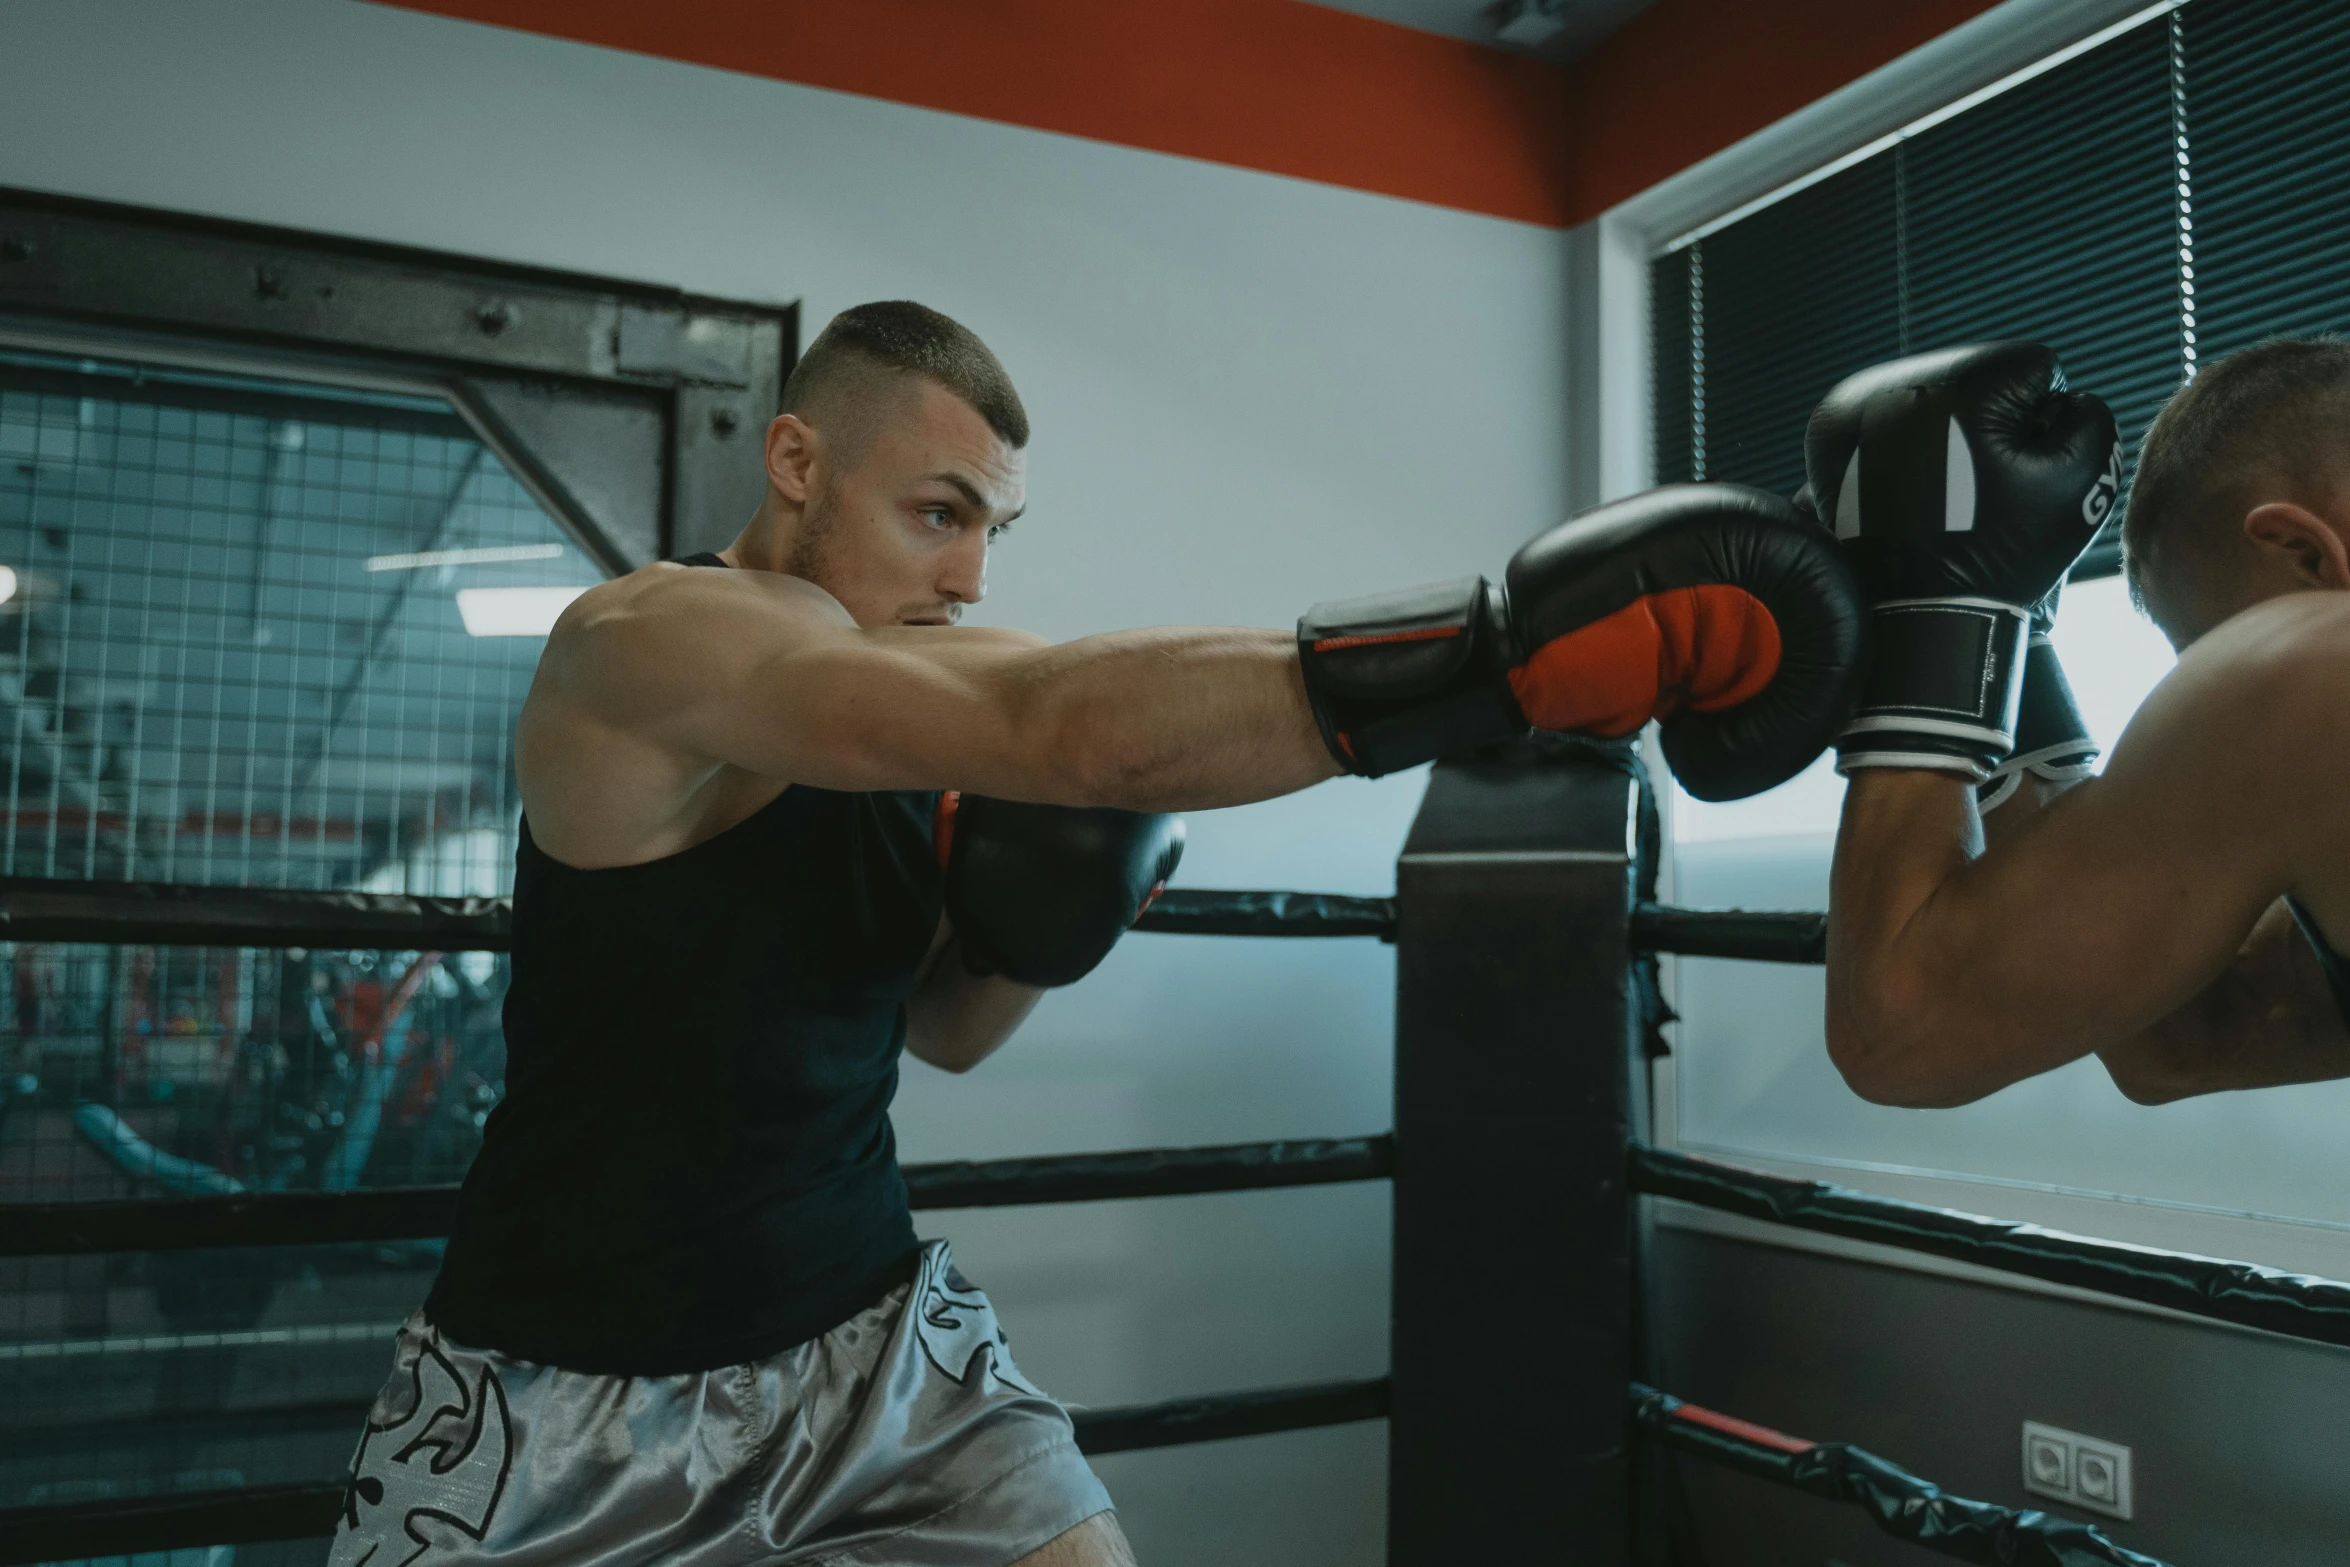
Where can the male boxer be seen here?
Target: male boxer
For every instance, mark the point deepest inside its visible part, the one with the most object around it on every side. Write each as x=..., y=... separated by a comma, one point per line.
x=684, y=1318
x=2172, y=915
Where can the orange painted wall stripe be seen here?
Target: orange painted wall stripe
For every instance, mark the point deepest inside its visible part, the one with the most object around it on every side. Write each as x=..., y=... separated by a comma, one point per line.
x=1274, y=85
x=1687, y=78
x=1298, y=89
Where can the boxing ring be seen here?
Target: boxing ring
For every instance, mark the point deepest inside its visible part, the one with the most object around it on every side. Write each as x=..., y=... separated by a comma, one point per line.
x=1526, y=1010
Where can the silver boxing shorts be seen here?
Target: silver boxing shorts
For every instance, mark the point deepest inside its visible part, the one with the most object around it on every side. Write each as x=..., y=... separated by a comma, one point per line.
x=905, y=1436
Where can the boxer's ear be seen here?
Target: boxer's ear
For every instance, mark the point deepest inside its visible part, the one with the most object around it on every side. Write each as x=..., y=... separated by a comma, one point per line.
x=2298, y=539
x=793, y=447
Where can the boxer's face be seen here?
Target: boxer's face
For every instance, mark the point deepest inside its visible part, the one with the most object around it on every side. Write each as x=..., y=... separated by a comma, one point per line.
x=899, y=532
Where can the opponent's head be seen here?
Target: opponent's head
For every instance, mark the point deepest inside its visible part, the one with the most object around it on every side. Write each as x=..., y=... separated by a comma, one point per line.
x=2243, y=487
x=896, y=460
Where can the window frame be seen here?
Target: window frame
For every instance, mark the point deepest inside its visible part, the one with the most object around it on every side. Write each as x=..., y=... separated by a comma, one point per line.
x=630, y=411
x=1610, y=451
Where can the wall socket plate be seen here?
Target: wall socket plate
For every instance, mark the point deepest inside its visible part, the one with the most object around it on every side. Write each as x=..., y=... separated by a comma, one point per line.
x=2085, y=1471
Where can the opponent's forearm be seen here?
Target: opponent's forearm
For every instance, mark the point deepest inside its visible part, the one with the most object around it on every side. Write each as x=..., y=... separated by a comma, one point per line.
x=2269, y=1019
x=2214, y=1047
x=1904, y=835
x=1169, y=718
x=1919, y=1013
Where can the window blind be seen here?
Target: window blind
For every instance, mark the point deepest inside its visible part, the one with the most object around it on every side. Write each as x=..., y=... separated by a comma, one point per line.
x=1795, y=297
x=2048, y=213
x=2163, y=198
x=2268, y=166
x=1678, y=365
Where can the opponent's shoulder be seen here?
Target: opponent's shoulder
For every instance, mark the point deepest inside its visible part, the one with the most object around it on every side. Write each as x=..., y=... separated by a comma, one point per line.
x=2264, y=696
x=2293, y=650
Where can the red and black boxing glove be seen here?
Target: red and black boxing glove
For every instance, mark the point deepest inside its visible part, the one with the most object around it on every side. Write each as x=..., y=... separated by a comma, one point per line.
x=1721, y=610
x=1040, y=893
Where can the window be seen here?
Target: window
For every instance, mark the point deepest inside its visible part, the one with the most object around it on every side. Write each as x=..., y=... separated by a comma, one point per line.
x=2163, y=197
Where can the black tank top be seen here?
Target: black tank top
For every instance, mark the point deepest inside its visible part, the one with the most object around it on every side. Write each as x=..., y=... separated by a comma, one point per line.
x=2334, y=965
x=693, y=1165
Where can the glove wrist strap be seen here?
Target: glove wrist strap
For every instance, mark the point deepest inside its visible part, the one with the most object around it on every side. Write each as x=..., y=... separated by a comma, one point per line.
x=1943, y=687
x=1397, y=679
x=2052, y=739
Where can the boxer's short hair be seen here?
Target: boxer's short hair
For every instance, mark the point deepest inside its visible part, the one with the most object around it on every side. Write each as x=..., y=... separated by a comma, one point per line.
x=2267, y=423
x=898, y=336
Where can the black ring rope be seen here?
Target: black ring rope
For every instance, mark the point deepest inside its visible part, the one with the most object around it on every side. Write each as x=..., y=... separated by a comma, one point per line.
x=1201, y=911
x=2297, y=1305
x=1730, y=933
x=85, y=1530
x=1897, y=1501
x=1151, y=1172
x=37, y=910
x=57, y=1229
x=166, y=914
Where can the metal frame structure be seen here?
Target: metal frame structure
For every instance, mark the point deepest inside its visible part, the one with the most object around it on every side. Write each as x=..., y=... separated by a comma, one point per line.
x=631, y=412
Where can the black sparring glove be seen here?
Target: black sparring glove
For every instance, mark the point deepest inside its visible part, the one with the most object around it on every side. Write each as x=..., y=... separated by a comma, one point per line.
x=1040, y=893
x=1963, y=484
x=1718, y=609
x=2051, y=738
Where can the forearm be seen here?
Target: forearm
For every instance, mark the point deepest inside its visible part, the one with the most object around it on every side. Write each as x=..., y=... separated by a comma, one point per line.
x=2270, y=1019
x=1170, y=718
x=957, y=1019
x=1905, y=835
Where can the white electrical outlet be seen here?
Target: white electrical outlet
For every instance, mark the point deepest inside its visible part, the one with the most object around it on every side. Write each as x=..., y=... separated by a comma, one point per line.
x=2086, y=1471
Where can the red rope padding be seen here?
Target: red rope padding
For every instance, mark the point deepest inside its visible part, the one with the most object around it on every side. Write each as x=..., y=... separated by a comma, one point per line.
x=1731, y=1425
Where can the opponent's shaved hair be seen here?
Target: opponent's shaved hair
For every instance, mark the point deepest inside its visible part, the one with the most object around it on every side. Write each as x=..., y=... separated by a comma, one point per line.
x=850, y=378
x=2270, y=423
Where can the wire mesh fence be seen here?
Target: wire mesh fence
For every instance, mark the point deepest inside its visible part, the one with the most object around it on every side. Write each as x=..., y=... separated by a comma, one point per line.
x=252, y=633
x=236, y=648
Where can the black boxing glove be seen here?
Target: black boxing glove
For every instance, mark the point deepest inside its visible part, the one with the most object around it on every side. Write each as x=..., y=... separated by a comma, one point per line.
x=2051, y=737
x=1963, y=484
x=1718, y=609
x=1040, y=893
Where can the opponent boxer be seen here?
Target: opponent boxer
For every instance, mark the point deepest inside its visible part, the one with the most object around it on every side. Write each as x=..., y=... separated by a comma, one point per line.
x=2173, y=915
x=683, y=1317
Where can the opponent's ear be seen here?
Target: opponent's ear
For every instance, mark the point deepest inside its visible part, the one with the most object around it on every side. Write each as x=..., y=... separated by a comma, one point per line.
x=2301, y=541
x=792, y=447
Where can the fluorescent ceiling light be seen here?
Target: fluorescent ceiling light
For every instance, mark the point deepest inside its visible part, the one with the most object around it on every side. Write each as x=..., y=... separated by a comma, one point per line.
x=512, y=612
x=7, y=583
x=479, y=557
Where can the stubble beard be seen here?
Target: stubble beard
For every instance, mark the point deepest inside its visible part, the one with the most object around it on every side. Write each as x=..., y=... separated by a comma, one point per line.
x=812, y=556
x=811, y=545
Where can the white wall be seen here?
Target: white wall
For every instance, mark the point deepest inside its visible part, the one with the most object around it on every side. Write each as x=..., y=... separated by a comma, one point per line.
x=1249, y=393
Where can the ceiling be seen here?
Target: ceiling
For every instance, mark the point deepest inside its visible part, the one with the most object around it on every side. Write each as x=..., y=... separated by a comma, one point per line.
x=1585, y=22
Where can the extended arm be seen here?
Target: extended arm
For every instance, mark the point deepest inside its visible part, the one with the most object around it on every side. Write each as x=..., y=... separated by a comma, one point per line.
x=1599, y=630
x=767, y=673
